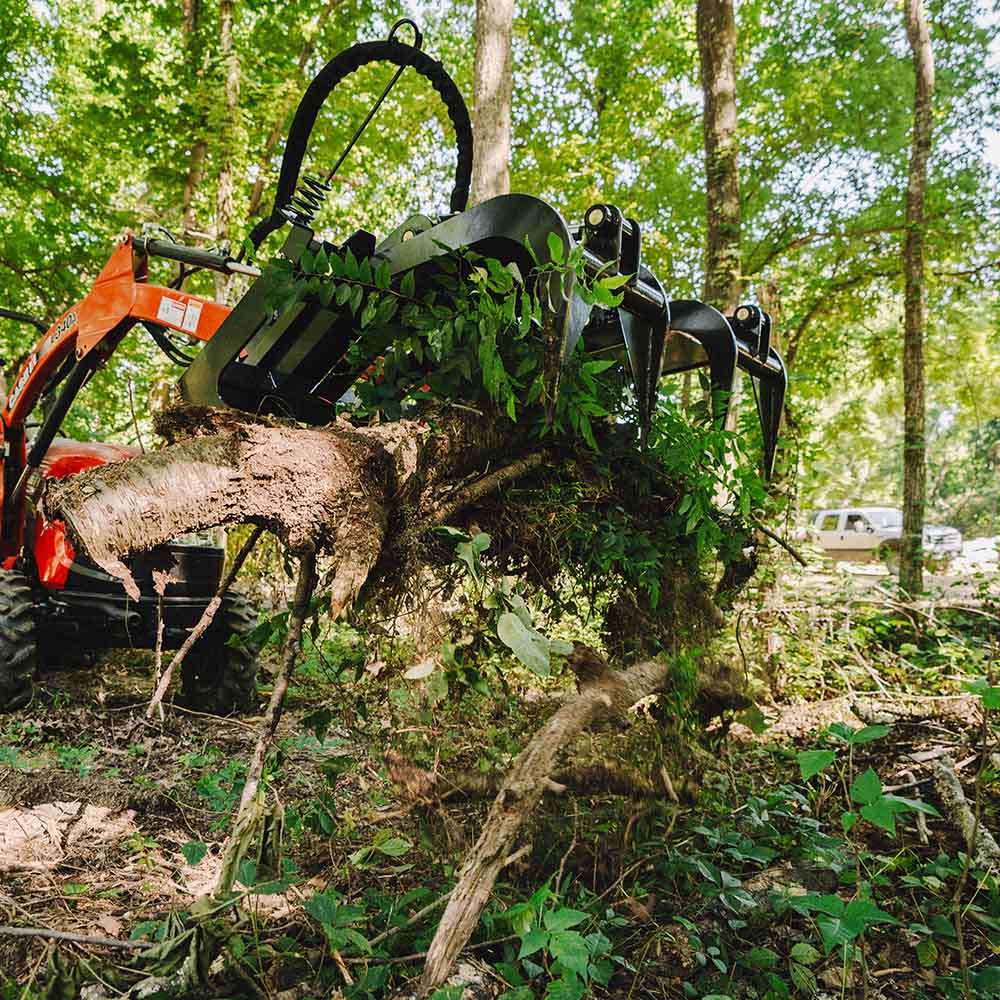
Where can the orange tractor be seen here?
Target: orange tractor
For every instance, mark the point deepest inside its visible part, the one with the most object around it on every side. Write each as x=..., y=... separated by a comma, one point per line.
x=292, y=360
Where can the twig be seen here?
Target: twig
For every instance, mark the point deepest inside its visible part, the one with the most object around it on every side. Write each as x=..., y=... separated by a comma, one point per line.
x=920, y=817
x=777, y=538
x=484, y=486
x=135, y=422
x=203, y=623
x=247, y=815
x=44, y=932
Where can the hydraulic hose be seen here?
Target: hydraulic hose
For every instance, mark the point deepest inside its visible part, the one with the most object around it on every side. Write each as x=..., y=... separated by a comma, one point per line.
x=341, y=66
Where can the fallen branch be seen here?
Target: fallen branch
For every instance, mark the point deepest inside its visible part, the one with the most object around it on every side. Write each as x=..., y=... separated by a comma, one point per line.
x=248, y=814
x=44, y=932
x=611, y=692
x=983, y=849
x=206, y=619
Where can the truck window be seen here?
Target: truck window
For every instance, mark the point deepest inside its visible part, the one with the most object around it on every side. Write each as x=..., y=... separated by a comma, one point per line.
x=857, y=522
x=829, y=522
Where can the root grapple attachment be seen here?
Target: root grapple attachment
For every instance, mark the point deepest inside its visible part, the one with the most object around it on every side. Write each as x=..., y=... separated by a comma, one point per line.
x=292, y=361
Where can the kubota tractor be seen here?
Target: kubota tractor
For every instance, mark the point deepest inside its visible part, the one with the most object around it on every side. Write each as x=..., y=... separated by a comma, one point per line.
x=291, y=360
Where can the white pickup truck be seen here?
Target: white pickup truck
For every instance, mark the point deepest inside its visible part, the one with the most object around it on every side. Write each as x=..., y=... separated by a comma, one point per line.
x=859, y=534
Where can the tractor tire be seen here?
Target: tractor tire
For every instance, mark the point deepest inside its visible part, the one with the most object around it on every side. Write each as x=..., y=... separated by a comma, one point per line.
x=18, y=642
x=218, y=678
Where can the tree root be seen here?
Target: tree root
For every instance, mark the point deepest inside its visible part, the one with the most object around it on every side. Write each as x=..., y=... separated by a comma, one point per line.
x=248, y=816
x=426, y=787
x=611, y=692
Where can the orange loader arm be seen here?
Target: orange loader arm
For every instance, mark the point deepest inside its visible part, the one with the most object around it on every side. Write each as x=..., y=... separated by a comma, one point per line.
x=82, y=340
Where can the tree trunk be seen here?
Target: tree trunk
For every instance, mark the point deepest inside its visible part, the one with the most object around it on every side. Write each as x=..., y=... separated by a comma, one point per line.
x=196, y=165
x=229, y=139
x=911, y=568
x=717, y=50
x=492, y=99
x=716, y=25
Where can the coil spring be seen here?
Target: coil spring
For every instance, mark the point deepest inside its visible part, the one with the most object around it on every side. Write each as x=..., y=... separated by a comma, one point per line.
x=309, y=197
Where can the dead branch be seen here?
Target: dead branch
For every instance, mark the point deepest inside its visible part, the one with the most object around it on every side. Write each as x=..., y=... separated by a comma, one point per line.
x=44, y=932
x=206, y=619
x=247, y=816
x=982, y=846
x=612, y=692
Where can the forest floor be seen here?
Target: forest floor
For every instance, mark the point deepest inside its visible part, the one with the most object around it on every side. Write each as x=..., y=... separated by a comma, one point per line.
x=731, y=871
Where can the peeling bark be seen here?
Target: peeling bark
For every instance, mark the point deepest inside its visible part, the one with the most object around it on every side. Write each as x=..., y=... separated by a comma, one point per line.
x=323, y=487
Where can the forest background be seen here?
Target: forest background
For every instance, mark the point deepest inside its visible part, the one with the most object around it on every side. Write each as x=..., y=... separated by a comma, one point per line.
x=173, y=115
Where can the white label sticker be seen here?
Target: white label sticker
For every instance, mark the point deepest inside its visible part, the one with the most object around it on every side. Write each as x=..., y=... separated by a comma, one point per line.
x=170, y=311
x=191, y=316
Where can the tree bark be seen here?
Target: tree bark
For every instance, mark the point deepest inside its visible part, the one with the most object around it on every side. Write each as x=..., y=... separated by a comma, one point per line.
x=196, y=165
x=492, y=99
x=716, y=25
x=911, y=568
x=229, y=139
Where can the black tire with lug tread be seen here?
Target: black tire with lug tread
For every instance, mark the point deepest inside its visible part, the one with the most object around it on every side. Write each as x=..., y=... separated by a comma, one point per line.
x=219, y=678
x=18, y=641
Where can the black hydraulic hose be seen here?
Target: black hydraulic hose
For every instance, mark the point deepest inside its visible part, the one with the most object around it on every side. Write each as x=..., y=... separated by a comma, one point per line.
x=341, y=66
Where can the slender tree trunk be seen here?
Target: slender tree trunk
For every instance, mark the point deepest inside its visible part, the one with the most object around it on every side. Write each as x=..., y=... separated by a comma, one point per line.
x=717, y=50
x=492, y=99
x=196, y=165
x=911, y=569
x=230, y=134
x=716, y=24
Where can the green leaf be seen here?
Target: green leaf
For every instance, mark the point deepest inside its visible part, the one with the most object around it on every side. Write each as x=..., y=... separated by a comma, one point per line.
x=869, y=733
x=761, y=958
x=805, y=953
x=835, y=931
x=881, y=813
x=847, y=821
x=320, y=262
x=533, y=941
x=322, y=907
x=563, y=919
x=861, y=912
x=803, y=978
x=812, y=762
x=408, y=286
x=193, y=851
x=391, y=847
x=927, y=953
x=531, y=648
x=991, y=697
x=556, y=249
x=753, y=719
x=571, y=951
x=866, y=787
x=383, y=278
